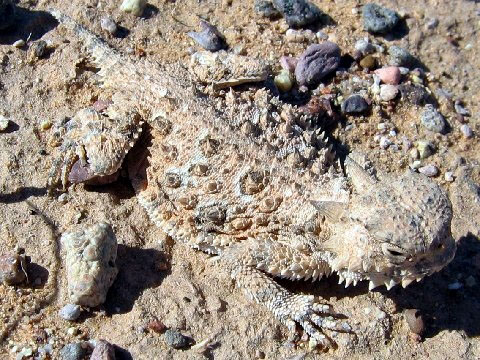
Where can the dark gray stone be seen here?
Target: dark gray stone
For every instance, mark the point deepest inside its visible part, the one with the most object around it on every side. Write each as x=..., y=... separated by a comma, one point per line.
x=74, y=351
x=433, y=120
x=354, y=104
x=400, y=57
x=266, y=9
x=176, y=340
x=415, y=94
x=209, y=38
x=378, y=19
x=40, y=49
x=7, y=14
x=298, y=13
x=316, y=62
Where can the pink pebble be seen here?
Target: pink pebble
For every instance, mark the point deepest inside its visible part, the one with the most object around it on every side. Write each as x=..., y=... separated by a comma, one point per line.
x=389, y=75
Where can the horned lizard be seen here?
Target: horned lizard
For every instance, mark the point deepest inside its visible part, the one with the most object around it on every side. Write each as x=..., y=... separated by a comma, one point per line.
x=247, y=179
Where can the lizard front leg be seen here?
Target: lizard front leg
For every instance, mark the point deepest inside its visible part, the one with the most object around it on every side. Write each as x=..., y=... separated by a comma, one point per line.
x=247, y=263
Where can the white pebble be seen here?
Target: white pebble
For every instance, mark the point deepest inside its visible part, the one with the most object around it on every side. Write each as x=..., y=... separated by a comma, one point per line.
x=449, y=176
x=108, y=25
x=3, y=123
x=385, y=142
x=416, y=164
x=63, y=198
x=392, y=133
x=466, y=131
x=135, y=7
x=70, y=312
x=429, y=170
x=19, y=43
x=388, y=92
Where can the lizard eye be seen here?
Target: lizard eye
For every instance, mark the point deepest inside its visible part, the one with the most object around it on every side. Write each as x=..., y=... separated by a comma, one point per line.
x=393, y=251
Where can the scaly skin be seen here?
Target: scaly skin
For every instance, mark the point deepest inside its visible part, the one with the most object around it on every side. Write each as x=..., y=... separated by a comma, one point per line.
x=247, y=178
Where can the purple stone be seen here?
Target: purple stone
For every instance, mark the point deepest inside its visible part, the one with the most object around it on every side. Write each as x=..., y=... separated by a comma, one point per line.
x=316, y=62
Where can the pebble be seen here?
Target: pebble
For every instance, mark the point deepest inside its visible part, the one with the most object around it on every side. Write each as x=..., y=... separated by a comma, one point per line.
x=455, y=286
x=91, y=269
x=45, y=125
x=266, y=9
x=433, y=120
x=415, y=321
x=288, y=63
x=298, y=36
x=283, y=81
x=429, y=170
x=297, y=13
x=4, y=122
x=70, y=312
x=466, y=131
x=103, y=351
x=378, y=19
x=414, y=94
x=40, y=49
x=416, y=164
x=316, y=62
x=156, y=326
x=425, y=148
x=134, y=7
x=385, y=142
x=368, y=62
x=364, y=46
x=12, y=269
x=354, y=104
x=7, y=14
x=19, y=43
x=389, y=75
x=460, y=109
x=73, y=351
x=400, y=56
x=449, y=176
x=176, y=340
x=107, y=24
x=209, y=37
x=63, y=198
x=388, y=92
x=431, y=23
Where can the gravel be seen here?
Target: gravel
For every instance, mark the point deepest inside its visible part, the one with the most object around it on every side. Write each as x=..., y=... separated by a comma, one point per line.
x=354, y=104
x=400, y=57
x=388, y=92
x=378, y=19
x=12, y=269
x=4, y=122
x=415, y=321
x=433, y=120
x=425, y=148
x=389, y=75
x=209, y=38
x=466, y=131
x=176, y=339
x=134, y=7
x=103, y=351
x=298, y=13
x=7, y=14
x=107, y=24
x=429, y=170
x=40, y=49
x=316, y=62
x=70, y=312
x=364, y=46
x=73, y=351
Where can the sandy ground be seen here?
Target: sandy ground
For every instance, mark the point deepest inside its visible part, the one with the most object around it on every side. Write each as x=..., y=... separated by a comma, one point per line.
x=193, y=295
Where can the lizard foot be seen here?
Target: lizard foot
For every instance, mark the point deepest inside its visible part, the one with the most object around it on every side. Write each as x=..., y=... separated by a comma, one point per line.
x=317, y=320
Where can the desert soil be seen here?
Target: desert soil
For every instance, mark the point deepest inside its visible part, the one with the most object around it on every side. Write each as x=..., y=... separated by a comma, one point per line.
x=193, y=295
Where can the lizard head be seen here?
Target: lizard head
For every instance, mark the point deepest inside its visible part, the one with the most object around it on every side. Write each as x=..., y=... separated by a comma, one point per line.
x=392, y=231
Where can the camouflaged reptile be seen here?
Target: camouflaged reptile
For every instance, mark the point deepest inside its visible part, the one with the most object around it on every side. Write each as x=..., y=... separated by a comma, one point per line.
x=249, y=179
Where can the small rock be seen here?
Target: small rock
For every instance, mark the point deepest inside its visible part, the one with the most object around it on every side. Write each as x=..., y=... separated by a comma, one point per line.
x=40, y=49
x=466, y=131
x=388, y=92
x=460, y=109
x=384, y=142
x=73, y=351
x=215, y=304
x=415, y=94
x=414, y=154
x=364, y=46
x=389, y=75
x=283, y=81
x=176, y=340
x=134, y=7
x=297, y=13
x=354, y=104
x=288, y=63
x=415, y=321
x=7, y=14
x=449, y=176
x=368, y=62
x=103, y=351
x=45, y=125
x=455, y=286
x=299, y=36
x=19, y=43
x=91, y=269
x=431, y=23
x=400, y=56
x=156, y=326
x=425, y=148
x=70, y=312
x=13, y=269
x=107, y=24
x=416, y=164
x=4, y=122
x=266, y=9
x=433, y=120
x=429, y=170
x=63, y=198
x=209, y=38
x=316, y=62
x=72, y=331
x=378, y=19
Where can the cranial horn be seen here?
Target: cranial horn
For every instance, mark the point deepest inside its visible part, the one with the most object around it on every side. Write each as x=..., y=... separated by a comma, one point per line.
x=360, y=178
x=332, y=210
